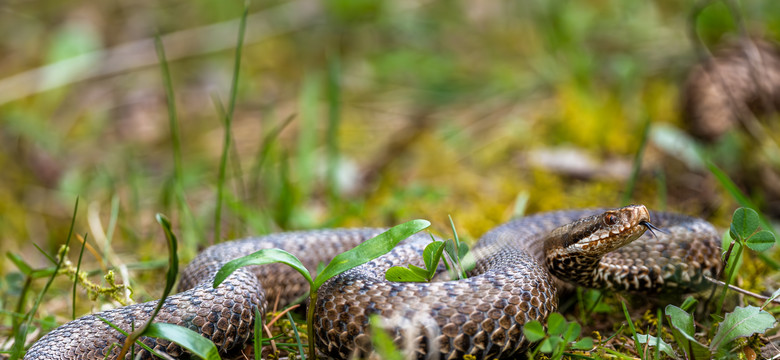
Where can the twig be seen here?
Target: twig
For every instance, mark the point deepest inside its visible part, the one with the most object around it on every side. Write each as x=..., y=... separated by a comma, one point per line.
x=285, y=311
x=272, y=341
x=742, y=291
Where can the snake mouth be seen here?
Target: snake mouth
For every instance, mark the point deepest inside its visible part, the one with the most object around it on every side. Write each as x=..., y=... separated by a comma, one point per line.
x=652, y=228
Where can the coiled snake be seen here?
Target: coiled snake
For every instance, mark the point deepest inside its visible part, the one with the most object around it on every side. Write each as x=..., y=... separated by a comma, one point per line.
x=514, y=281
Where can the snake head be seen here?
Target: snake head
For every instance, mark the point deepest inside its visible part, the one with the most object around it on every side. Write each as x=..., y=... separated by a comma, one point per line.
x=573, y=251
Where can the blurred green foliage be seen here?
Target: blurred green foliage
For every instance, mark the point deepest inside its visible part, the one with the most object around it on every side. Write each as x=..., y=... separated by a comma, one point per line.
x=437, y=108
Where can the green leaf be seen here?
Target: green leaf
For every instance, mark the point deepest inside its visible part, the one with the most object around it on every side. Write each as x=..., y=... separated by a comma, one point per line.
x=402, y=274
x=572, y=332
x=652, y=341
x=585, y=343
x=20, y=263
x=683, y=329
x=463, y=249
x=680, y=319
x=533, y=331
x=761, y=241
x=688, y=304
x=744, y=222
x=432, y=256
x=556, y=324
x=173, y=257
x=262, y=257
x=550, y=344
x=186, y=338
x=369, y=250
x=419, y=271
x=742, y=322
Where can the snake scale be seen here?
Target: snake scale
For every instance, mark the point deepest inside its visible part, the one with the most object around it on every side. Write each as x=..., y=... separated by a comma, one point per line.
x=519, y=266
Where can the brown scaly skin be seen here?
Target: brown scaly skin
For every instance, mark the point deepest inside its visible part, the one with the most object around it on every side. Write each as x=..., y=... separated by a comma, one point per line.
x=482, y=316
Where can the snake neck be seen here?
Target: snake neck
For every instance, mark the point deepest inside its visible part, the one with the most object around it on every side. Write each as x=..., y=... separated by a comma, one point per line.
x=574, y=252
x=580, y=270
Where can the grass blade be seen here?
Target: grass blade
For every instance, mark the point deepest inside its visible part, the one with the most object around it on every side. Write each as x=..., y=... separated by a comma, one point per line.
x=186, y=338
x=228, y=127
x=633, y=330
x=637, y=165
x=737, y=194
x=258, y=334
x=298, y=337
x=334, y=119
x=75, y=280
x=170, y=279
x=369, y=250
x=21, y=333
x=262, y=257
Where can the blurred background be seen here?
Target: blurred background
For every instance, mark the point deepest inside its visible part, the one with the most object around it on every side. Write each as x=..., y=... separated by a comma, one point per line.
x=353, y=113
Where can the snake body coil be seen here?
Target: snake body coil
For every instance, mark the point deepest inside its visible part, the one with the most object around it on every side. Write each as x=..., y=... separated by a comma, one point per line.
x=514, y=281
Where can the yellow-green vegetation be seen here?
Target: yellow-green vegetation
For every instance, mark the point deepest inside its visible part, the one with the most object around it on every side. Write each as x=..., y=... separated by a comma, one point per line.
x=349, y=113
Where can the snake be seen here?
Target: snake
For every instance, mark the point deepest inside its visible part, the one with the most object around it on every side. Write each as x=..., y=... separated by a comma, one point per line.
x=519, y=268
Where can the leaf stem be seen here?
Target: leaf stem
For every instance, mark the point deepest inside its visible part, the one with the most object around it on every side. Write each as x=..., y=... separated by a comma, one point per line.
x=310, y=324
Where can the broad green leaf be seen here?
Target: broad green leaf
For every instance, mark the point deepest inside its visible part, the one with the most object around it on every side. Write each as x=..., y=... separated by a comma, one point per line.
x=436, y=258
x=369, y=250
x=585, y=343
x=419, y=271
x=680, y=319
x=556, y=324
x=572, y=332
x=683, y=329
x=761, y=241
x=186, y=338
x=432, y=256
x=744, y=222
x=652, y=341
x=262, y=257
x=742, y=322
x=534, y=331
x=550, y=344
x=463, y=249
x=402, y=274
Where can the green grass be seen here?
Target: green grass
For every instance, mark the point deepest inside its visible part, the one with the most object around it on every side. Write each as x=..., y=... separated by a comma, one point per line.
x=445, y=98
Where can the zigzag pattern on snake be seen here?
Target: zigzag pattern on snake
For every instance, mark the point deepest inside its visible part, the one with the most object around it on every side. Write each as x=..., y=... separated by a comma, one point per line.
x=519, y=267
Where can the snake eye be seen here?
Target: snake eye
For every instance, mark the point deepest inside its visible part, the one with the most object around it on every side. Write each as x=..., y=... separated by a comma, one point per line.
x=610, y=219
